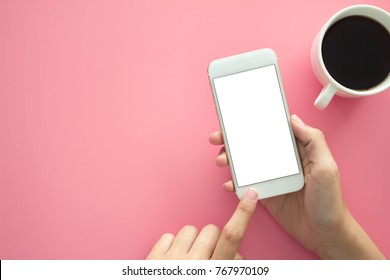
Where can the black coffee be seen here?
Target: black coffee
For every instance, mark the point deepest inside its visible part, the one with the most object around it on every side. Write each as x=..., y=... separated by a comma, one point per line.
x=356, y=52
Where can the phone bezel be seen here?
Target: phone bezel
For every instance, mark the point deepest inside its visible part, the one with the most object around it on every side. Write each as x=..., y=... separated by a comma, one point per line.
x=246, y=62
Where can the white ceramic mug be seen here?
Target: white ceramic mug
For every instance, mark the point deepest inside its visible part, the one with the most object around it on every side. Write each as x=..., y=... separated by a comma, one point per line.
x=331, y=86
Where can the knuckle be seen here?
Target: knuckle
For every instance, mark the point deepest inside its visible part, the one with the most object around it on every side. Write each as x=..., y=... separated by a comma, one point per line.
x=245, y=208
x=232, y=235
x=318, y=134
x=328, y=170
x=334, y=169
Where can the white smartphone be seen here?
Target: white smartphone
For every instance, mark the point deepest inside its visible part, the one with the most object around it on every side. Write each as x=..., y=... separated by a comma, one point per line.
x=255, y=123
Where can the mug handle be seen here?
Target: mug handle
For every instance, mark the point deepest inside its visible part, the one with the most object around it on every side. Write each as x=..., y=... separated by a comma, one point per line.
x=325, y=97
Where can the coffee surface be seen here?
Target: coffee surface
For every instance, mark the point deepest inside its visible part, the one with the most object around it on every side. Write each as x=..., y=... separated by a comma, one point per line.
x=356, y=52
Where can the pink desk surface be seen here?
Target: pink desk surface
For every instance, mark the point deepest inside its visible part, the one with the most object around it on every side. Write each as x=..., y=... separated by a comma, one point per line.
x=105, y=112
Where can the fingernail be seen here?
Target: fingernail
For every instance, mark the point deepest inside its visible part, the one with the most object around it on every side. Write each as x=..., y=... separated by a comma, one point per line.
x=251, y=194
x=298, y=120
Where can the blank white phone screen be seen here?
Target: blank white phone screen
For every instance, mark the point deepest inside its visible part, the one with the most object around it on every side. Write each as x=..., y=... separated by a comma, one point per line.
x=256, y=125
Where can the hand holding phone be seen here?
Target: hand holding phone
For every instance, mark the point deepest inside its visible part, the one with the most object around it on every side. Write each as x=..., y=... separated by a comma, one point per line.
x=254, y=120
x=318, y=217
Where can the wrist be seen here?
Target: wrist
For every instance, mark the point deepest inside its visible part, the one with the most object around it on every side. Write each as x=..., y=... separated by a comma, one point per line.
x=348, y=241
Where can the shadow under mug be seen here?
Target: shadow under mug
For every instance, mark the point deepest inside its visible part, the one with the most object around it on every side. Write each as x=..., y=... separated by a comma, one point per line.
x=331, y=86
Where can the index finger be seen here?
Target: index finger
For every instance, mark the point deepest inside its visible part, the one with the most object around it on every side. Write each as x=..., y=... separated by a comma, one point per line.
x=234, y=231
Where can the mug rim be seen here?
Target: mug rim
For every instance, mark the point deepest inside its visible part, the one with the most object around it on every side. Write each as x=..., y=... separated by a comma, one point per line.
x=336, y=17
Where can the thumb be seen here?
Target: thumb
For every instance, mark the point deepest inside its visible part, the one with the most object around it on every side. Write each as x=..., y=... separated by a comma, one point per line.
x=312, y=140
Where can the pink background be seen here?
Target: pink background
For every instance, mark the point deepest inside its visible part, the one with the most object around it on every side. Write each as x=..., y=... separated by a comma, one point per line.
x=105, y=112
